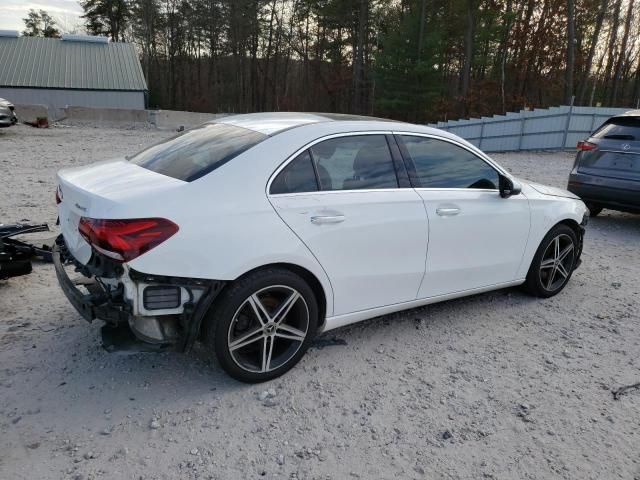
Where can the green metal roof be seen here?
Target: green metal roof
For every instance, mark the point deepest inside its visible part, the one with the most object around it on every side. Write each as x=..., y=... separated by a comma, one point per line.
x=52, y=63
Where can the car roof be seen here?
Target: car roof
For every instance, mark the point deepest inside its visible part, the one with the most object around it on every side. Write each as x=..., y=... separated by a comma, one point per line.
x=630, y=113
x=272, y=123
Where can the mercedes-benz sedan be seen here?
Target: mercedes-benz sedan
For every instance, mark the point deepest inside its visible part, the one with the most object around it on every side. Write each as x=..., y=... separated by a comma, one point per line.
x=255, y=233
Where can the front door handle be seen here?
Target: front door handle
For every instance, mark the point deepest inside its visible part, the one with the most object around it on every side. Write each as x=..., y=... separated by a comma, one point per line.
x=325, y=219
x=447, y=212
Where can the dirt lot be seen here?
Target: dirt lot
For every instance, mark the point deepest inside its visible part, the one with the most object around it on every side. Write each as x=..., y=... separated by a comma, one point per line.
x=498, y=385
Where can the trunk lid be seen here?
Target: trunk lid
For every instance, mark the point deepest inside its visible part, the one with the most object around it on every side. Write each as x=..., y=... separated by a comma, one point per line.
x=104, y=190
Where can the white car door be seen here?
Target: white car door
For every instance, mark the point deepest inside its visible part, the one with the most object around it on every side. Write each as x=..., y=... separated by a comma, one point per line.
x=342, y=197
x=476, y=237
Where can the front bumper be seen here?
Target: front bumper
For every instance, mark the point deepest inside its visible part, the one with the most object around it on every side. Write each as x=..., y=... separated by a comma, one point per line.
x=93, y=298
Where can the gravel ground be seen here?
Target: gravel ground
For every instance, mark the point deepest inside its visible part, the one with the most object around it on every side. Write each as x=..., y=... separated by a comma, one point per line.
x=498, y=385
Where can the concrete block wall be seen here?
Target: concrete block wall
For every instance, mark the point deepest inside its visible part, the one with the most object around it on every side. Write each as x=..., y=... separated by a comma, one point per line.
x=106, y=115
x=30, y=113
x=173, y=119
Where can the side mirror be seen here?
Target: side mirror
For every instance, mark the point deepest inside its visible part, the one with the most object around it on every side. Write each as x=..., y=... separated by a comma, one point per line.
x=509, y=187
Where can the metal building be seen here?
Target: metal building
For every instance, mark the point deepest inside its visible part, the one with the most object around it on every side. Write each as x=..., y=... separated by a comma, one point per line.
x=76, y=70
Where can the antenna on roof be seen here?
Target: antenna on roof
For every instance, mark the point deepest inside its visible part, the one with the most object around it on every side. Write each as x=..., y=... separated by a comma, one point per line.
x=9, y=33
x=84, y=38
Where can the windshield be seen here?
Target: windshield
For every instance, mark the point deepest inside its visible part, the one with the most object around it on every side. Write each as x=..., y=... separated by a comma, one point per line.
x=198, y=151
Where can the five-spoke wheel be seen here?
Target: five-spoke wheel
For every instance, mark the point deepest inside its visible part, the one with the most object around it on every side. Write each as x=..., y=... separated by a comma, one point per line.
x=262, y=324
x=553, y=263
x=557, y=262
x=268, y=328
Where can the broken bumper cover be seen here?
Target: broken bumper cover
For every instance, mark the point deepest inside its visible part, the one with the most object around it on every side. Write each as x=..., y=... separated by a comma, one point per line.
x=113, y=308
x=89, y=305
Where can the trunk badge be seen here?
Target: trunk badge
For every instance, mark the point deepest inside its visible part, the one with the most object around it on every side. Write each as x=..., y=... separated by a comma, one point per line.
x=80, y=207
x=626, y=146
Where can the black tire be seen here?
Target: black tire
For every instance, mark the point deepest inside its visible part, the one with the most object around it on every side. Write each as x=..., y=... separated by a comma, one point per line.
x=547, y=281
x=594, y=209
x=236, y=305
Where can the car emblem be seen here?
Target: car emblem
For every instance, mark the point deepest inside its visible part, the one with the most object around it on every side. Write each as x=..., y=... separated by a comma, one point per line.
x=626, y=146
x=80, y=207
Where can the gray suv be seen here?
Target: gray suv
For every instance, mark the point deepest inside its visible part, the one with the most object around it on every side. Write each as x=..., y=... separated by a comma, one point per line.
x=606, y=173
x=7, y=114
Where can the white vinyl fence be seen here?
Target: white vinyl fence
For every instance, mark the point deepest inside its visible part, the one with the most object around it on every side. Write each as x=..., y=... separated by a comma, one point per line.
x=540, y=129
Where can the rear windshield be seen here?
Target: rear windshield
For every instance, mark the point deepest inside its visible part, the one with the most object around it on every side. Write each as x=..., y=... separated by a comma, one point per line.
x=198, y=151
x=624, y=128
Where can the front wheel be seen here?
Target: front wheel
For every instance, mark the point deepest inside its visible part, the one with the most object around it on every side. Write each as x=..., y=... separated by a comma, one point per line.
x=262, y=325
x=553, y=263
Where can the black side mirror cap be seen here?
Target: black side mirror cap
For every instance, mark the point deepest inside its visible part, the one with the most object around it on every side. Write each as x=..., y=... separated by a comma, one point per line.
x=509, y=187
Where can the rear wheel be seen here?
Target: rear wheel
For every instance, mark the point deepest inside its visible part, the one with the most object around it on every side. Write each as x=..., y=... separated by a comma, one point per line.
x=553, y=263
x=594, y=209
x=262, y=325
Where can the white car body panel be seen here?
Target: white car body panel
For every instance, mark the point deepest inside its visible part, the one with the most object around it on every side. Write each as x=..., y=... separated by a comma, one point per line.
x=392, y=252
x=375, y=256
x=481, y=242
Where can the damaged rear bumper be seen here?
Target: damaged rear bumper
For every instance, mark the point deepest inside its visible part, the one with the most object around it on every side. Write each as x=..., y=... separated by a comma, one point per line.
x=115, y=295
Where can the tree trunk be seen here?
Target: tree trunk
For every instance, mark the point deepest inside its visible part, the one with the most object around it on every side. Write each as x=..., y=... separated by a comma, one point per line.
x=623, y=52
x=469, y=38
x=636, y=90
x=423, y=13
x=571, y=38
x=611, y=47
x=584, y=82
x=359, y=104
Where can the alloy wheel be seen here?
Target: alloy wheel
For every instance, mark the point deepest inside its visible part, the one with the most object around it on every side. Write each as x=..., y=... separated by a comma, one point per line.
x=557, y=262
x=268, y=329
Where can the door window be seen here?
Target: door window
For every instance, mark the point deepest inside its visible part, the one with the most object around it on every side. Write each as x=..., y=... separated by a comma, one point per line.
x=440, y=164
x=297, y=177
x=354, y=163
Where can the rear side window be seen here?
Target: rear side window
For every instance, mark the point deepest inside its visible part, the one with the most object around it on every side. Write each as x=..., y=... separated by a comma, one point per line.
x=198, y=151
x=441, y=164
x=297, y=177
x=622, y=128
x=354, y=163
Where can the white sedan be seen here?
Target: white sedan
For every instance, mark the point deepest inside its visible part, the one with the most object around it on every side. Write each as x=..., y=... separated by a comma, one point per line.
x=255, y=233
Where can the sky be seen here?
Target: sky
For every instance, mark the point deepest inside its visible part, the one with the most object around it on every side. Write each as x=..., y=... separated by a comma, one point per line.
x=65, y=12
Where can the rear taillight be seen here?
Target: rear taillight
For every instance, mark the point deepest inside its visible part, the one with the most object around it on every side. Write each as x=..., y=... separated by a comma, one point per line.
x=586, y=146
x=124, y=240
x=58, y=199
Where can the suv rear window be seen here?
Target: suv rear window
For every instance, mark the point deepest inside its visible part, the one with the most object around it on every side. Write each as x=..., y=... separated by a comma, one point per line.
x=197, y=151
x=622, y=128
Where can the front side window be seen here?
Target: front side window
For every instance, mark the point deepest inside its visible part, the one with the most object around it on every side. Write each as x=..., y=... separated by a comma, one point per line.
x=441, y=164
x=354, y=163
x=197, y=151
x=297, y=177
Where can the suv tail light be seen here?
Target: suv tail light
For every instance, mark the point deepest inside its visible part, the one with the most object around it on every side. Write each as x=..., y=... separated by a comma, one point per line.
x=124, y=240
x=586, y=146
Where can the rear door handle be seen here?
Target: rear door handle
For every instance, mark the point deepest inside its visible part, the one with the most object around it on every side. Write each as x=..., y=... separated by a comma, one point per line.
x=324, y=219
x=447, y=212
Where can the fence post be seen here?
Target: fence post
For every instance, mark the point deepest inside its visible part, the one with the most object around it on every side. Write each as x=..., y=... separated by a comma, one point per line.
x=481, y=132
x=523, y=119
x=567, y=123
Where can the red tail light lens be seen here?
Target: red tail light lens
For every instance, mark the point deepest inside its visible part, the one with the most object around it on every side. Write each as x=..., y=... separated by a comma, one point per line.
x=586, y=146
x=124, y=240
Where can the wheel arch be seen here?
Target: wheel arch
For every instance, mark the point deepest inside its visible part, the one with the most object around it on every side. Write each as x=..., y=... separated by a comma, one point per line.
x=571, y=223
x=307, y=276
